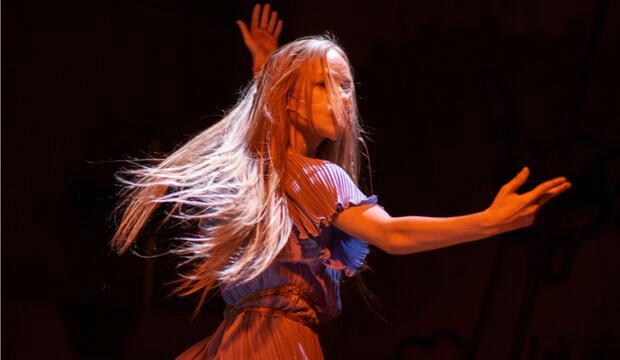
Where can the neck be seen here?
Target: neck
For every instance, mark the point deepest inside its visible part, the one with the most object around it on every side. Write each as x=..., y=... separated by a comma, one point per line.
x=303, y=144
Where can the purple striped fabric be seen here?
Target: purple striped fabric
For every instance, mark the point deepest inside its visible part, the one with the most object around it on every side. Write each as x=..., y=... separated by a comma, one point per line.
x=271, y=327
x=317, y=190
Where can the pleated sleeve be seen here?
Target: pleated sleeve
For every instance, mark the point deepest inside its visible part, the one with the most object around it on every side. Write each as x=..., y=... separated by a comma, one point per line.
x=317, y=190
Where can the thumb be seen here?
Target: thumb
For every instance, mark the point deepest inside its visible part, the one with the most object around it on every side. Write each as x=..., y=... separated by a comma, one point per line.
x=514, y=184
x=247, y=39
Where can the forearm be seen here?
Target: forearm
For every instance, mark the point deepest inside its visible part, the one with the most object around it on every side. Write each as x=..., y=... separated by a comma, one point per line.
x=412, y=234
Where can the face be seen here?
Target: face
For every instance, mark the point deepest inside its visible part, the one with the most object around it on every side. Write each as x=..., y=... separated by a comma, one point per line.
x=322, y=109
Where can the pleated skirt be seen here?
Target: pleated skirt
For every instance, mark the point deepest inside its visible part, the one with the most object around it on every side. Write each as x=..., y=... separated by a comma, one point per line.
x=258, y=335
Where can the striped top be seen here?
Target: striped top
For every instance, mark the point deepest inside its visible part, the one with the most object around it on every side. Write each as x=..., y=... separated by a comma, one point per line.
x=317, y=190
x=317, y=253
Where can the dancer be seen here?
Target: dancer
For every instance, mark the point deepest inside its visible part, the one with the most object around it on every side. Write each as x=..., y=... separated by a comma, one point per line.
x=271, y=190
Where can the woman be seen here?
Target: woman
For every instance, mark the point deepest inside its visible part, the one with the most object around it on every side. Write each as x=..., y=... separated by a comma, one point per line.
x=271, y=189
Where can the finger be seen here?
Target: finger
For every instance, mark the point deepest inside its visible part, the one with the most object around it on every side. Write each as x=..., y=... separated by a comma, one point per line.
x=514, y=184
x=247, y=38
x=272, y=22
x=553, y=193
x=265, y=17
x=541, y=189
x=276, y=33
x=543, y=199
x=255, y=15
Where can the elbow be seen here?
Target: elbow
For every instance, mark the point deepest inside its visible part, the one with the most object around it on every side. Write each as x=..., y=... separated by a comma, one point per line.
x=399, y=241
x=394, y=242
x=391, y=250
x=394, y=248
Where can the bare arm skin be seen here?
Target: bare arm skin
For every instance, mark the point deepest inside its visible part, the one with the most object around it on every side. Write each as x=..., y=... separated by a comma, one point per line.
x=412, y=234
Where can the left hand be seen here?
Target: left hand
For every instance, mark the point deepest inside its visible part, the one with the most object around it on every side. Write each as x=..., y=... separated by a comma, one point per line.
x=510, y=211
x=262, y=37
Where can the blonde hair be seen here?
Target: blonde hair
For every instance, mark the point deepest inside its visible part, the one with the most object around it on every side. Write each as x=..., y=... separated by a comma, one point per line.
x=228, y=180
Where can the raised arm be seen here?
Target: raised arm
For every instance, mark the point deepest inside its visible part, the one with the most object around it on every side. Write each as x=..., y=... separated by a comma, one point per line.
x=262, y=36
x=412, y=234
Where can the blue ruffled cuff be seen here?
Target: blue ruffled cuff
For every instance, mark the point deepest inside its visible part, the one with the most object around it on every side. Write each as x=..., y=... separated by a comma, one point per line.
x=346, y=252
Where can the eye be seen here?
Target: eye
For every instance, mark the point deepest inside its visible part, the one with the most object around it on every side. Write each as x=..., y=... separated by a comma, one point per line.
x=347, y=85
x=320, y=84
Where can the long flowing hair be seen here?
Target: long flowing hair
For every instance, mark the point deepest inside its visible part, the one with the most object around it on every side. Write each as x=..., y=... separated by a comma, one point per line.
x=228, y=180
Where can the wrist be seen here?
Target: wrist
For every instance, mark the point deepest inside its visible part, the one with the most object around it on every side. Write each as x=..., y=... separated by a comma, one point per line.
x=257, y=66
x=488, y=223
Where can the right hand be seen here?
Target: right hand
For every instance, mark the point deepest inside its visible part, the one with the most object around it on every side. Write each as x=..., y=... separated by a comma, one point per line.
x=262, y=37
x=511, y=211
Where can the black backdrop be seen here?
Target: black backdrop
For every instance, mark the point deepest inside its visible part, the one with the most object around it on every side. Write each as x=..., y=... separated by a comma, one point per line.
x=457, y=96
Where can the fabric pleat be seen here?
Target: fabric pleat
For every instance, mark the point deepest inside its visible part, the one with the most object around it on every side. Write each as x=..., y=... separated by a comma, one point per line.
x=273, y=315
x=257, y=336
x=317, y=191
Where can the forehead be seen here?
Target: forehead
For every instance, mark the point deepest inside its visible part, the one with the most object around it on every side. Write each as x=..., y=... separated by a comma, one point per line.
x=336, y=65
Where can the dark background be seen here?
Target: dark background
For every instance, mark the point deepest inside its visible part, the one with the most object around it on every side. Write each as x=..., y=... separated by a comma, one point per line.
x=457, y=96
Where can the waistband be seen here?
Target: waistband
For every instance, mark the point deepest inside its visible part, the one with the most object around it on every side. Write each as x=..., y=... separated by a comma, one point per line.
x=302, y=310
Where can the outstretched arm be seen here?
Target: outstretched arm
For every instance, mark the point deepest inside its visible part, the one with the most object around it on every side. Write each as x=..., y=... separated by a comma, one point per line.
x=412, y=234
x=262, y=36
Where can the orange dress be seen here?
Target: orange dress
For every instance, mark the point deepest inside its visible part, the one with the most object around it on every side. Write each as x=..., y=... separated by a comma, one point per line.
x=274, y=315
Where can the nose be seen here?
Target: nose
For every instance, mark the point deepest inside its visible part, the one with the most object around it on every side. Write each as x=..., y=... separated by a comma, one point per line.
x=345, y=99
x=345, y=96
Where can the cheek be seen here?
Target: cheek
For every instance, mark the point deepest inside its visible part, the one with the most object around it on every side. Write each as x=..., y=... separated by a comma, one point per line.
x=321, y=112
x=320, y=103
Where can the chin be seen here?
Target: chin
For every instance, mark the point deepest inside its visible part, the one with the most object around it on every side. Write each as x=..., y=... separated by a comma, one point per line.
x=331, y=136
x=328, y=133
